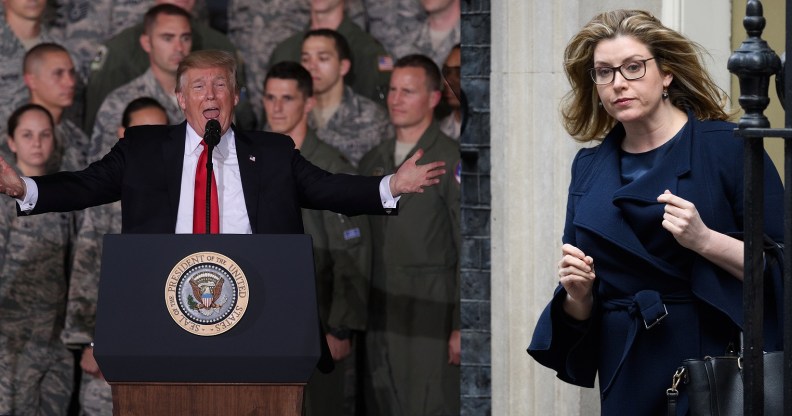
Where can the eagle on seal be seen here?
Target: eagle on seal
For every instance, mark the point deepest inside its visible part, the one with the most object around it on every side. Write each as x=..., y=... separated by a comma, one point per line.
x=208, y=295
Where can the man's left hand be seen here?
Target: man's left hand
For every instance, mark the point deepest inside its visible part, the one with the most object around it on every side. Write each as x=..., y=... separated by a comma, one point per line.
x=412, y=178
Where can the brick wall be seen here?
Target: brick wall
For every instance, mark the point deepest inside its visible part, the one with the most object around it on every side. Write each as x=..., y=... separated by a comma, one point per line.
x=475, y=290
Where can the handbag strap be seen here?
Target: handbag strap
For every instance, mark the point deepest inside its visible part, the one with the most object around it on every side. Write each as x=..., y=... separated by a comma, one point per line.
x=672, y=394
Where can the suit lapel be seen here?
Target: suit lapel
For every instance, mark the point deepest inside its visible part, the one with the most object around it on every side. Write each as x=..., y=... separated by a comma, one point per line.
x=250, y=161
x=173, y=155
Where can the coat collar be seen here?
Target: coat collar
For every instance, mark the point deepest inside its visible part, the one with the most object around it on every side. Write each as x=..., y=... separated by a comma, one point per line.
x=607, y=202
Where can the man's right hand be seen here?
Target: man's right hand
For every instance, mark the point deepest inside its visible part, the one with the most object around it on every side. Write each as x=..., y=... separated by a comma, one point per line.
x=10, y=182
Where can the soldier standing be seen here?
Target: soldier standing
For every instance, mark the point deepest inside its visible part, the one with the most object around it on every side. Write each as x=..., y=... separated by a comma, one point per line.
x=371, y=64
x=35, y=367
x=256, y=27
x=166, y=40
x=51, y=79
x=342, y=245
x=413, y=338
x=123, y=58
x=351, y=123
x=95, y=394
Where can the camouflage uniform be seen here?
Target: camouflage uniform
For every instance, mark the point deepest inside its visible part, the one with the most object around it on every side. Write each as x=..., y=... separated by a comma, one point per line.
x=86, y=24
x=420, y=42
x=256, y=27
x=36, y=369
x=342, y=255
x=123, y=59
x=76, y=145
x=367, y=77
x=414, y=302
x=95, y=394
x=358, y=125
x=392, y=21
x=105, y=131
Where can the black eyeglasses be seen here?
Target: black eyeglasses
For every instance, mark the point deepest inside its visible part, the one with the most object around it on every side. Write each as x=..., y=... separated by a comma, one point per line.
x=602, y=75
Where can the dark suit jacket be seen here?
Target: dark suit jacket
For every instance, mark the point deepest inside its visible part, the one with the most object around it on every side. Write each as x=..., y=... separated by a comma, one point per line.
x=640, y=266
x=144, y=172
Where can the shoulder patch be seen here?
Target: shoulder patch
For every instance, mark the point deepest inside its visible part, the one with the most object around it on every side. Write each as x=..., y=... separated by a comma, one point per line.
x=385, y=63
x=351, y=233
x=99, y=60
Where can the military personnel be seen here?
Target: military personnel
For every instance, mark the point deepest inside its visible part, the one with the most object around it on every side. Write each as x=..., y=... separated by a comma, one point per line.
x=123, y=58
x=95, y=396
x=256, y=27
x=342, y=246
x=413, y=339
x=166, y=40
x=433, y=37
x=51, y=79
x=351, y=123
x=371, y=65
x=36, y=369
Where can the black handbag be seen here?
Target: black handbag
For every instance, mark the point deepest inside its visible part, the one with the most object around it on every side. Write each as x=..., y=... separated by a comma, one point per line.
x=715, y=385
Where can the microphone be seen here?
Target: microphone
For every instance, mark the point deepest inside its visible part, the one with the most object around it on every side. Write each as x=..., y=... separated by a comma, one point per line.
x=212, y=133
x=212, y=138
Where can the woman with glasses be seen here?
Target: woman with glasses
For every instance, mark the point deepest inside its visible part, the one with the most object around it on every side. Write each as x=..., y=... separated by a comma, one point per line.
x=651, y=264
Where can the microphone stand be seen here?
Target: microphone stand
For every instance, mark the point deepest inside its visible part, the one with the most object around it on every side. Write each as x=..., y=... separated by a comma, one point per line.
x=209, y=166
x=211, y=138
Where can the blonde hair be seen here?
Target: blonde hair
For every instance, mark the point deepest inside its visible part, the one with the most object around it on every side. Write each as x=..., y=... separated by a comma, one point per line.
x=208, y=59
x=691, y=89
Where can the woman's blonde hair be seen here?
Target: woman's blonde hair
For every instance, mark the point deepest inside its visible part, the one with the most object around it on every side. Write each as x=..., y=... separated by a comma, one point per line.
x=691, y=89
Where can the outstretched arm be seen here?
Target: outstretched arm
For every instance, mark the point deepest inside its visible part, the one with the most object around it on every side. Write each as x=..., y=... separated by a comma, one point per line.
x=412, y=178
x=10, y=182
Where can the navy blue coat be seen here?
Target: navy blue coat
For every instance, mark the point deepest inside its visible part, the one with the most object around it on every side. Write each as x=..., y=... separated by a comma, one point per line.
x=642, y=271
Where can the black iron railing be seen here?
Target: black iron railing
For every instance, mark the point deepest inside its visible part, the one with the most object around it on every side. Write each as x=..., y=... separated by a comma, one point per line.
x=754, y=63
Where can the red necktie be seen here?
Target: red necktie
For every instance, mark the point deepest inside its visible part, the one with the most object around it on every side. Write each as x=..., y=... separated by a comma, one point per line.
x=199, y=209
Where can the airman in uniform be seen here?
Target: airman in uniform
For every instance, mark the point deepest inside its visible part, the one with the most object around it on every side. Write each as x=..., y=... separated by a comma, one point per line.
x=167, y=41
x=351, y=123
x=36, y=368
x=256, y=27
x=371, y=64
x=413, y=338
x=95, y=395
x=123, y=59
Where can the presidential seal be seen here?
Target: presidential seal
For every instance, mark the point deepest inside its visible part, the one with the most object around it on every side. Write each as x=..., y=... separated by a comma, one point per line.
x=206, y=293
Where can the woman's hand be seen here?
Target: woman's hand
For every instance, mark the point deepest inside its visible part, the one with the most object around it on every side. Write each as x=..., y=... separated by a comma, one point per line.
x=682, y=220
x=576, y=275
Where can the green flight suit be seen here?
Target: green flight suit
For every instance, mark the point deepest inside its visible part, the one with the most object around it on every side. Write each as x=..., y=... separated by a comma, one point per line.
x=371, y=68
x=122, y=59
x=414, y=302
x=342, y=257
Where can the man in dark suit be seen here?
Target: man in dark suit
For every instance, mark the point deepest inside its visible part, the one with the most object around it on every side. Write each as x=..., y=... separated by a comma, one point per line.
x=261, y=180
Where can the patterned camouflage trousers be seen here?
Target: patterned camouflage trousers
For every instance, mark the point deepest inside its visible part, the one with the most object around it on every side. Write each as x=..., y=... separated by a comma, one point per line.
x=96, y=397
x=36, y=381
